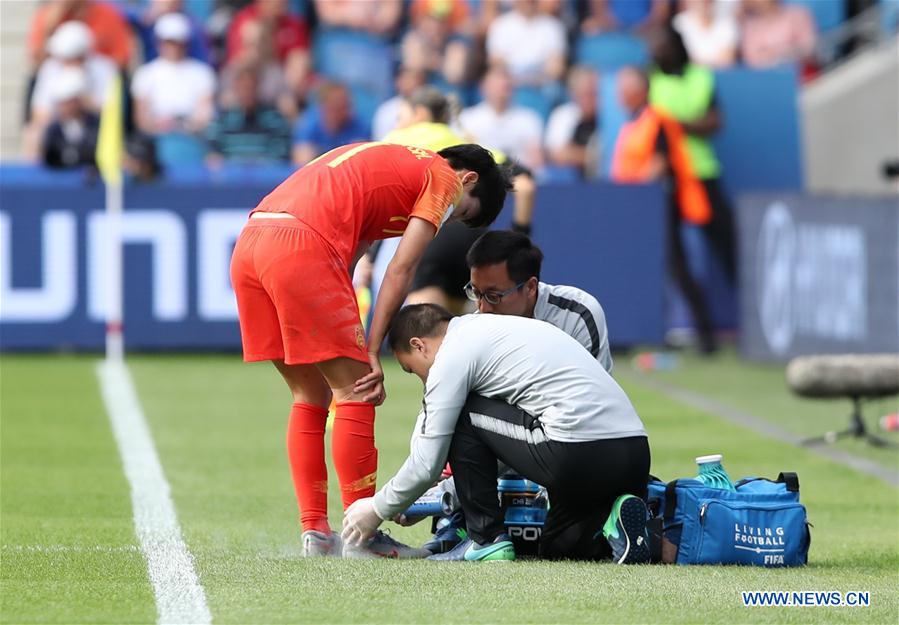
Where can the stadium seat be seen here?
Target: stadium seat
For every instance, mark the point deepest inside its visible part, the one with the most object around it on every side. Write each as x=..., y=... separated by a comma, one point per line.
x=177, y=149
x=365, y=102
x=558, y=174
x=466, y=94
x=539, y=99
x=611, y=51
x=828, y=14
x=358, y=59
x=889, y=16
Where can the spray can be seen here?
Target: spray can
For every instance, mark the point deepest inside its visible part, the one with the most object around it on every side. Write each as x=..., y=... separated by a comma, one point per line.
x=435, y=502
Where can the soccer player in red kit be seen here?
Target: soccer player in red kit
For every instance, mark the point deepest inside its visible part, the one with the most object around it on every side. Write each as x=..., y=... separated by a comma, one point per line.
x=291, y=272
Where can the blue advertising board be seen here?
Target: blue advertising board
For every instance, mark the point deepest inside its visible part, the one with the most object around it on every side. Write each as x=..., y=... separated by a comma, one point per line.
x=818, y=275
x=178, y=239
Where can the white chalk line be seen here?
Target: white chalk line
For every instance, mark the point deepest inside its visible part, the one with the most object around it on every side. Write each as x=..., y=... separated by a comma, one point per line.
x=71, y=549
x=764, y=427
x=179, y=596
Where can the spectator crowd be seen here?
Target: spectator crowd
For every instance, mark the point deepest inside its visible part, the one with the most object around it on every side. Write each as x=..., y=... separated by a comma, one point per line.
x=247, y=81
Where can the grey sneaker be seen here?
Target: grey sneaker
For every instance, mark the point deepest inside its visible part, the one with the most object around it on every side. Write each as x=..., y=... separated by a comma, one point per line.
x=320, y=545
x=383, y=546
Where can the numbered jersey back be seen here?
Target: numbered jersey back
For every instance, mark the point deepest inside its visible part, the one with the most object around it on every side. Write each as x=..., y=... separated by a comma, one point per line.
x=367, y=191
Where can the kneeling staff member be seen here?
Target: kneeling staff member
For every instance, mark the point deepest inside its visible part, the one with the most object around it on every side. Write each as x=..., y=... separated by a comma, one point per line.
x=523, y=392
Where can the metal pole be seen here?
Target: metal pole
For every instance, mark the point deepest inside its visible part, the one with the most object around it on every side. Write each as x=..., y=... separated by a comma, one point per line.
x=115, y=345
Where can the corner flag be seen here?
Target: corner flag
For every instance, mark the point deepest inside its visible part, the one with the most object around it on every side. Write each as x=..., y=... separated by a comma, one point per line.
x=110, y=140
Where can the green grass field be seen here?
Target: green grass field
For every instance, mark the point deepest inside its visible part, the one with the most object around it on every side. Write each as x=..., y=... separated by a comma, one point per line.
x=70, y=554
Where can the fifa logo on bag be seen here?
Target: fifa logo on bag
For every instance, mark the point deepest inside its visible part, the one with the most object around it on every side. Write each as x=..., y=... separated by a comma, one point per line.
x=767, y=540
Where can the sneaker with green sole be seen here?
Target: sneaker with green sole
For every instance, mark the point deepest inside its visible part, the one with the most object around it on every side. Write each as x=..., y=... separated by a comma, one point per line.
x=625, y=529
x=469, y=551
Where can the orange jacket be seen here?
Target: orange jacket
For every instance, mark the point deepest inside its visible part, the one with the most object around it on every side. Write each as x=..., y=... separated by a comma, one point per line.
x=633, y=154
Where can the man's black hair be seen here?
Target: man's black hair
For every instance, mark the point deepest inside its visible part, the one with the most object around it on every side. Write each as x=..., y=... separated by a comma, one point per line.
x=523, y=259
x=668, y=49
x=421, y=320
x=492, y=185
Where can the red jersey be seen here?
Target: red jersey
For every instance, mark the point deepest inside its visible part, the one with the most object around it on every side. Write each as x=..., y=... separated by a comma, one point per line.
x=367, y=191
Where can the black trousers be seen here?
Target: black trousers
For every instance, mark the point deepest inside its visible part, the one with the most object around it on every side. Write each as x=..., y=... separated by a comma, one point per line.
x=583, y=479
x=443, y=263
x=720, y=232
x=686, y=282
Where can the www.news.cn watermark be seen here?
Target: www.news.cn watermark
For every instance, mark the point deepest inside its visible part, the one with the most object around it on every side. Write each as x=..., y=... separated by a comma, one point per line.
x=813, y=598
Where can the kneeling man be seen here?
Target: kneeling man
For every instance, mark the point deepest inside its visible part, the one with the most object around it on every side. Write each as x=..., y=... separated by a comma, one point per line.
x=523, y=392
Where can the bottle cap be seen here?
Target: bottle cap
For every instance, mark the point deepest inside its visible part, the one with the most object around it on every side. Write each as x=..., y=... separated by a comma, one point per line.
x=709, y=459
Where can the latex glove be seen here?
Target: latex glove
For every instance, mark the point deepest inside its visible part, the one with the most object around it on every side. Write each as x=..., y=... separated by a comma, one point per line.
x=360, y=522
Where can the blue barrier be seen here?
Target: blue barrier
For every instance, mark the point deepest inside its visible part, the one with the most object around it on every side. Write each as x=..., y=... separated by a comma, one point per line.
x=606, y=239
x=610, y=241
x=759, y=144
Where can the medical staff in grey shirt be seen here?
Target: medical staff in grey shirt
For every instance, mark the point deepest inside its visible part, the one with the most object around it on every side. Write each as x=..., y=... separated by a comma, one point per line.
x=523, y=392
x=504, y=268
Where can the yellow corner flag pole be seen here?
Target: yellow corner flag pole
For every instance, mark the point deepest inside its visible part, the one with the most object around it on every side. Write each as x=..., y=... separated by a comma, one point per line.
x=110, y=152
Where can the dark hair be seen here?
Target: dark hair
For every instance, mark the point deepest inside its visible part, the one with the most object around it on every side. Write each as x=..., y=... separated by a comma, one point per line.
x=668, y=50
x=141, y=150
x=492, y=185
x=522, y=257
x=416, y=320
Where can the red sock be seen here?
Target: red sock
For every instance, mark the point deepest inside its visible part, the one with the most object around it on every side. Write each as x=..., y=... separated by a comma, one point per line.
x=354, y=452
x=306, y=452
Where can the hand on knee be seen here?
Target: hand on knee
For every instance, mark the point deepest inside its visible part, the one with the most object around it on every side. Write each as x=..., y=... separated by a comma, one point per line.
x=346, y=395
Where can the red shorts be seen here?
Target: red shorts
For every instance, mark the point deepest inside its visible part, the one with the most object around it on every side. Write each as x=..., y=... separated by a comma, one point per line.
x=295, y=298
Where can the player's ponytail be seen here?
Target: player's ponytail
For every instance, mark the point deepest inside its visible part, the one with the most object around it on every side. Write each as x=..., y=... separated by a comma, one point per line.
x=439, y=106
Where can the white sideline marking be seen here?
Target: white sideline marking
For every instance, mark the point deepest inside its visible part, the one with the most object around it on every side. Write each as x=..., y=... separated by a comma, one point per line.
x=764, y=427
x=179, y=595
x=70, y=549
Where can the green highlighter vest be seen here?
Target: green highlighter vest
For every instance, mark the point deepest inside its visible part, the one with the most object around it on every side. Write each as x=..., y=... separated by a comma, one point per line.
x=433, y=136
x=687, y=97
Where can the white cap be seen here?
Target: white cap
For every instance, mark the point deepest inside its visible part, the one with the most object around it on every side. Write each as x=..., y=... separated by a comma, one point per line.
x=709, y=459
x=70, y=41
x=172, y=27
x=69, y=83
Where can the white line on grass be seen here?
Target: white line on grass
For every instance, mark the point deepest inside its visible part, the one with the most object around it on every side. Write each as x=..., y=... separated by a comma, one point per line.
x=179, y=595
x=70, y=549
x=762, y=426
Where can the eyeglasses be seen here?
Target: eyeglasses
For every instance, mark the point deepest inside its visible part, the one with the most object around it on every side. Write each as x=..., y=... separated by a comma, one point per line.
x=491, y=297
